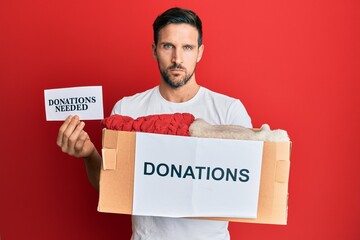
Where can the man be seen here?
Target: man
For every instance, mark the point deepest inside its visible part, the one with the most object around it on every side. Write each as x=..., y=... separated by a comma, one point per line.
x=177, y=48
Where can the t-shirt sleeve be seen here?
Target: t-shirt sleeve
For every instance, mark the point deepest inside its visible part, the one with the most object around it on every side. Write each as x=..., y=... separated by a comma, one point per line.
x=237, y=115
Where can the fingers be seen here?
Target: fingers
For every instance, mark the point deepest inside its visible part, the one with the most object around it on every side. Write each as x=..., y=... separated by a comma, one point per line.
x=62, y=129
x=79, y=145
x=69, y=135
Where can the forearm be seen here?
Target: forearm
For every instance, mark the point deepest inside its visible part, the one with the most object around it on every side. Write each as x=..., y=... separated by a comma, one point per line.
x=93, y=165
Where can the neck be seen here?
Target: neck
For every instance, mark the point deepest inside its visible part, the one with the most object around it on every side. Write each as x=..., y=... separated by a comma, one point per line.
x=180, y=94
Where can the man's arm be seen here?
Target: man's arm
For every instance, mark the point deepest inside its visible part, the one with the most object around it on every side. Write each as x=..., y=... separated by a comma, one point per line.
x=73, y=140
x=93, y=165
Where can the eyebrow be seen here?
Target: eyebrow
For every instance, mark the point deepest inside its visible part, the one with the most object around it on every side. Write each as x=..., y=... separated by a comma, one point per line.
x=163, y=43
x=190, y=45
x=185, y=45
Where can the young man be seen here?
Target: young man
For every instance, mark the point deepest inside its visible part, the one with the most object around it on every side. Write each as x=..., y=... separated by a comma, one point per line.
x=177, y=48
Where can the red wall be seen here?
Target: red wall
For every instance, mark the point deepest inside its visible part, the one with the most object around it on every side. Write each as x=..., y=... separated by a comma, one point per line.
x=294, y=64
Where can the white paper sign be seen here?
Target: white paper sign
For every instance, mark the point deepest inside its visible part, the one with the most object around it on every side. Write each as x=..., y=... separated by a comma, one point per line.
x=86, y=102
x=196, y=177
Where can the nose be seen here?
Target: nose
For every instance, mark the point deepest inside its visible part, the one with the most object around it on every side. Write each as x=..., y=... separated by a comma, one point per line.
x=177, y=56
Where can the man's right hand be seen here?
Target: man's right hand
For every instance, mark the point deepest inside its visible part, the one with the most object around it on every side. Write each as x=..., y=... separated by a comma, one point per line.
x=73, y=140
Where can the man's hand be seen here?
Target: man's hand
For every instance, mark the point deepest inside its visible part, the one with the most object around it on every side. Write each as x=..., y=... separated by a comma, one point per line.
x=73, y=140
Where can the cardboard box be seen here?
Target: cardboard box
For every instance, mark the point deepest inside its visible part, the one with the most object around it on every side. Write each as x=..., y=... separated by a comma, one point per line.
x=117, y=178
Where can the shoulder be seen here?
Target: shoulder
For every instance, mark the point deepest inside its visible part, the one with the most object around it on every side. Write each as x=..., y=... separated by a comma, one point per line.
x=134, y=100
x=224, y=100
x=232, y=108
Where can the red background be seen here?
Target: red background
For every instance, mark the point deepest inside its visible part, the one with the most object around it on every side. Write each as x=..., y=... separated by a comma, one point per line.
x=294, y=64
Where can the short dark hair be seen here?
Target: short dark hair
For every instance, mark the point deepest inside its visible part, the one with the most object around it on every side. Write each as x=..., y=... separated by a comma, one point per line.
x=177, y=15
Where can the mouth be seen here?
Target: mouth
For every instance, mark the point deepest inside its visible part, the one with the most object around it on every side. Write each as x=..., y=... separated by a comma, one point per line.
x=176, y=70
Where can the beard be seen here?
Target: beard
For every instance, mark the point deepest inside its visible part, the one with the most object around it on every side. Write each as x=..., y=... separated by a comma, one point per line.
x=175, y=84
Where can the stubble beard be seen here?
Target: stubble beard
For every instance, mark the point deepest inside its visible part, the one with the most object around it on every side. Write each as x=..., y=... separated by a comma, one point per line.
x=167, y=78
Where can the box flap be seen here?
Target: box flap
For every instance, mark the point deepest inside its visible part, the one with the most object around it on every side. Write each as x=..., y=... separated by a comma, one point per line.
x=109, y=150
x=108, y=159
x=116, y=186
x=282, y=170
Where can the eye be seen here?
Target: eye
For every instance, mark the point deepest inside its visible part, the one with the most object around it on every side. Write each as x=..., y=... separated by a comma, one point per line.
x=188, y=47
x=167, y=46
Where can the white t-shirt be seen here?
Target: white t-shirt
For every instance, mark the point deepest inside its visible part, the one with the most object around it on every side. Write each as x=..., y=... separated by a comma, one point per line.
x=213, y=107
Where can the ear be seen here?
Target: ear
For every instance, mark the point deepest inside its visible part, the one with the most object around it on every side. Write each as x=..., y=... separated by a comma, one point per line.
x=153, y=46
x=200, y=53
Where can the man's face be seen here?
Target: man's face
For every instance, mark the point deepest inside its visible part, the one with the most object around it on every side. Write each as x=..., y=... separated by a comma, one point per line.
x=177, y=53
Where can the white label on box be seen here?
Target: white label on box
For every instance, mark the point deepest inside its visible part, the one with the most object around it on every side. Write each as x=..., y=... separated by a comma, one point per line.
x=196, y=177
x=86, y=102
